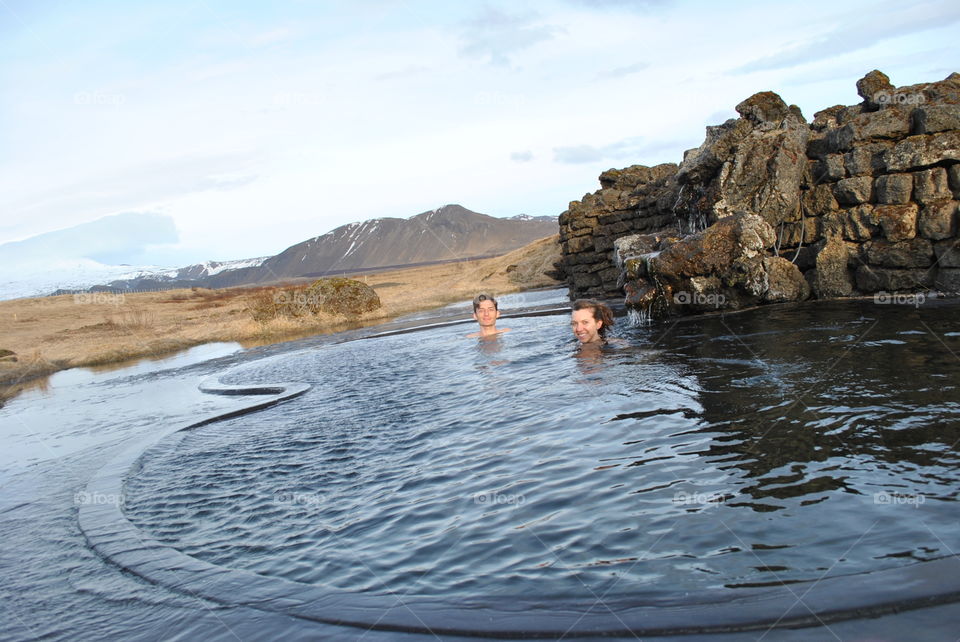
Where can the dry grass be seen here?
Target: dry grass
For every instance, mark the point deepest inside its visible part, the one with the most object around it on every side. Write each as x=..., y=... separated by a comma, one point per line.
x=47, y=334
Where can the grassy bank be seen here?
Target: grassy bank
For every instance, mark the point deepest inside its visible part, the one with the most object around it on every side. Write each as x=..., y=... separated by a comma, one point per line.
x=39, y=336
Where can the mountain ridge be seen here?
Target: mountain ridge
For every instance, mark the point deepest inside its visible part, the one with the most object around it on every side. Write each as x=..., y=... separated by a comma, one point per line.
x=450, y=232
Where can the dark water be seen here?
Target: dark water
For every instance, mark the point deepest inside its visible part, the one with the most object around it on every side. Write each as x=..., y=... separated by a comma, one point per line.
x=753, y=449
x=770, y=446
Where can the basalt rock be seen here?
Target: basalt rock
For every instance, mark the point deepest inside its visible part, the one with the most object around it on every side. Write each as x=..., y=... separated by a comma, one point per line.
x=863, y=199
x=723, y=267
x=755, y=163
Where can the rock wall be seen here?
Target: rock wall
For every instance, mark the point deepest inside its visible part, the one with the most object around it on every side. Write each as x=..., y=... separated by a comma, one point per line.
x=864, y=199
x=627, y=203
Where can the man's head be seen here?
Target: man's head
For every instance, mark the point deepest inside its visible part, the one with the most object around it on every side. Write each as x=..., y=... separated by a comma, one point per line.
x=485, y=310
x=480, y=298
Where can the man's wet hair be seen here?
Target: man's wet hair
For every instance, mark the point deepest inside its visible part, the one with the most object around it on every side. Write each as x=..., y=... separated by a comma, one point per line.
x=483, y=297
x=601, y=312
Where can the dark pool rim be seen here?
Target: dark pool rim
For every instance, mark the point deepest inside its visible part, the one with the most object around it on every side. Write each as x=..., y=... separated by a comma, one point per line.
x=802, y=604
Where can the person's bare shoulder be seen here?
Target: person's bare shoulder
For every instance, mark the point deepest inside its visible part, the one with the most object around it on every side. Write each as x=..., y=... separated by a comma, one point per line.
x=480, y=335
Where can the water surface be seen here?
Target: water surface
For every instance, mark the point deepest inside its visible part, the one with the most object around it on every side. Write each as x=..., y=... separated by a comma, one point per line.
x=774, y=445
x=740, y=451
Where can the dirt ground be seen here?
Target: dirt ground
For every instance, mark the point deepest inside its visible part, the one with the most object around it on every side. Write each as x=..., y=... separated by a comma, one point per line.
x=39, y=336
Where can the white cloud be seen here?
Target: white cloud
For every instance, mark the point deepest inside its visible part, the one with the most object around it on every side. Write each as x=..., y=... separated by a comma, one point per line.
x=629, y=150
x=255, y=127
x=620, y=72
x=861, y=30
x=496, y=34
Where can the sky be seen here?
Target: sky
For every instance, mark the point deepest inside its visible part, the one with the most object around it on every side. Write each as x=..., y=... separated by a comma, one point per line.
x=241, y=128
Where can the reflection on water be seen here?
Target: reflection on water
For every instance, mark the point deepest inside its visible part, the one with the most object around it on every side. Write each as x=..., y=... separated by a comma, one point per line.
x=94, y=374
x=732, y=451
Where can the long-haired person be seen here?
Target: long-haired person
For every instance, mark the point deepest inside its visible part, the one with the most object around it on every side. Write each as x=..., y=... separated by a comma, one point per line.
x=590, y=321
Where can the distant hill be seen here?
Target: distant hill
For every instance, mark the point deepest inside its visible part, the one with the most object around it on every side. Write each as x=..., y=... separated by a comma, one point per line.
x=447, y=233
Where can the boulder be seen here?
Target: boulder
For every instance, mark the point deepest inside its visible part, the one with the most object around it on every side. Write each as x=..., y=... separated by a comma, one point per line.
x=912, y=253
x=860, y=223
x=947, y=253
x=631, y=253
x=954, y=179
x=948, y=280
x=930, y=119
x=755, y=163
x=853, y=191
x=893, y=189
x=713, y=251
x=874, y=279
x=867, y=159
x=819, y=201
x=786, y=282
x=832, y=277
x=342, y=296
x=938, y=220
x=725, y=266
x=923, y=151
x=873, y=87
x=829, y=169
x=886, y=124
x=931, y=185
x=764, y=109
x=899, y=222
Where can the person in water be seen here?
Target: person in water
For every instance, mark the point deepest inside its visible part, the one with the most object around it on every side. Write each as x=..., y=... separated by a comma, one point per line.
x=486, y=312
x=590, y=321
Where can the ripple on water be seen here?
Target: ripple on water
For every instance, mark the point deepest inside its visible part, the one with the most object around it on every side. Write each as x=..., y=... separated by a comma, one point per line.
x=740, y=451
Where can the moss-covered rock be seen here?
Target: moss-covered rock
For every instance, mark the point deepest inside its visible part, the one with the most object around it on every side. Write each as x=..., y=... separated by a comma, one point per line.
x=337, y=295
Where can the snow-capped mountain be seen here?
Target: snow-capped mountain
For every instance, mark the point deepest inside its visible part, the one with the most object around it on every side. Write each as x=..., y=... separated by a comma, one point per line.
x=446, y=233
x=40, y=279
x=211, y=268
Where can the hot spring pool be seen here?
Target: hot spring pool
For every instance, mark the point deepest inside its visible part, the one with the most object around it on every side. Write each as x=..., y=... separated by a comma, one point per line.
x=716, y=457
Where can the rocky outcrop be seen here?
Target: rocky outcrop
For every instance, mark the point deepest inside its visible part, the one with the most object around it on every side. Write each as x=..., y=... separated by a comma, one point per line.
x=724, y=266
x=770, y=208
x=627, y=203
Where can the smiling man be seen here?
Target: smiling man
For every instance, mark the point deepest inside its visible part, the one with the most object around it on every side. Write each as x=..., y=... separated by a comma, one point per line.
x=486, y=313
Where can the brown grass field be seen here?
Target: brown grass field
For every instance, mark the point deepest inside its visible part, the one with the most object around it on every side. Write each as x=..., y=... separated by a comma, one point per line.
x=39, y=336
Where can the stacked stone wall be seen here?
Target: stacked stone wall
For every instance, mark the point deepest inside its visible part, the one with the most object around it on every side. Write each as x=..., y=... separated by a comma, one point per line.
x=863, y=199
x=626, y=204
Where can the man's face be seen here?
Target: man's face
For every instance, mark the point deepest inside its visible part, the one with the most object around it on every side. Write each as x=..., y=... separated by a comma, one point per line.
x=486, y=314
x=585, y=327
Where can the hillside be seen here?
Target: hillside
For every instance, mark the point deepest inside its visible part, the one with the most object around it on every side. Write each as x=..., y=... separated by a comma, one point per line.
x=45, y=334
x=446, y=233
